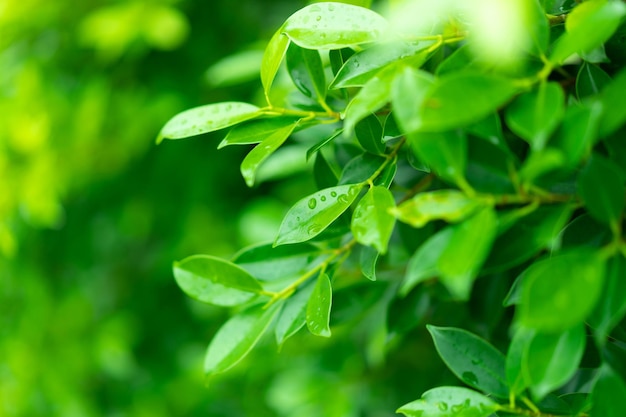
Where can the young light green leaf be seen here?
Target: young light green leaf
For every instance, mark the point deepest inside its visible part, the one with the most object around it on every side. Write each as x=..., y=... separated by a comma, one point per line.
x=588, y=26
x=332, y=25
x=234, y=340
x=423, y=264
x=408, y=93
x=259, y=153
x=369, y=133
x=311, y=215
x=612, y=308
x=558, y=293
x=535, y=115
x=591, y=79
x=255, y=131
x=449, y=205
x=272, y=57
x=550, y=360
x=319, y=145
x=208, y=118
x=464, y=256
x=463, y=98
x=306, y=71
x=367, y=261
x=374, y=95
x=364, y=65
x=318, y=307
x=609, y=394
x=472, y=359
x=450, y=402
x=372, y=223
x=444, y=152
x=292, y=317
x=601, y=187
x=215, y=281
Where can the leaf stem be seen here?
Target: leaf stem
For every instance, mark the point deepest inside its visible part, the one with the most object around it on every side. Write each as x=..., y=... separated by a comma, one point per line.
x=281, y=111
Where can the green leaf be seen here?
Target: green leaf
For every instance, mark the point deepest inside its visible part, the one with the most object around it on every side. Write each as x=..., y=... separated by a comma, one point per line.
x=306, y=71
x=515, y=359
x=334, y=26
x=613, y=110
x=374, y=95
x=609, y=394
x=444, y=152
x=372, y=223
x=215, y=281
x=588, y=26
x=450, y=402
x=591, y=79
x=367, y=261
x=337, y=58
x=528, y=236
x=274, y=263
x=423, y=264
x=472, y=359
x=319, y=145
x=464, y=256
x=538, y=25
x=273, y=56
x=235, y=69
x=369, y=133
x=361, y=168
x=611, y=308
x=364, y=65
x=324, y=175
x=449, y=205
x=292, y=317
x=550, y=360
x=255, y=131
x=490, y=129
x=601, y=187
x=207, y=118
x=463, y=98
x=318, y=307
x=559, y=292
x=535, y=115
x=578, y=132
x=259, y=153
x=408, y=93
x=234, y=340
x=311, y=215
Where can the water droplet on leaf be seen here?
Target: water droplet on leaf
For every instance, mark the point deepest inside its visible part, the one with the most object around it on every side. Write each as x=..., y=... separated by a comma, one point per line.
x=312, y=203
x=323, y=198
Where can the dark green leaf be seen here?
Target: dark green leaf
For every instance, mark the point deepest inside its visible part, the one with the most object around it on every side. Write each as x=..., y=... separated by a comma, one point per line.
x=464, y=256
x=292, y=317
x=444, y=152
x=256, y=156
x=369, y=133
x=601, y=187
x=609, y=394
x=315, y=148
x=372, y=222
x=311, y=215
x=559, y=292
x=361, y=168
x=423, y=264
x=215, y=281
x=334, y=26
x=324, y=175
x=490, y=129
x=367, y=261
x=268, y=263
x=208, y=118
x=234, y=340
x=471, y=359
x=535, y=115
x=612, y=98
x=337, y=58
x=515, y=359
x=611, y=308
x=255, y=131
x=449, y=205
x=306, y=71
x=578, y=132
x=450, y=402
x=591, y=79
x=550, y=360
x=318, y=307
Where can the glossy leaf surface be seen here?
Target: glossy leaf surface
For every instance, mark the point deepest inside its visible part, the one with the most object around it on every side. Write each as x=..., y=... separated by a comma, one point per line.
x=449, y=205
x=423, y=264
x=372, y=222
x=444, y=152
x=318, y=307
x=306, y=71
x=215, y=281
x=408, y=93
x=272, y=57
x=292, y=317
x=472, y=359
x=255, y=131
x=311, y=215
x=369, y=133
x=332, y=25
x=208, y=118
x=265, y=262
x=450, y=402
x=237, y=337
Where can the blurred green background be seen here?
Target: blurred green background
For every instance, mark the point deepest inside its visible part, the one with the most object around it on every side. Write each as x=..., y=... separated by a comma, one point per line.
x=92, y=214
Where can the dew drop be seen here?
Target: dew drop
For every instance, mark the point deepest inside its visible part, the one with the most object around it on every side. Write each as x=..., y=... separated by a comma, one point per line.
x=312, y=203
x=323, y=198
x=443, y=406
x=343, y=199
x=229, y=107
x=456, y=409
x=470, y=378
x=331, y=7
x=313, y=229
x=476, y=362
x=333, y=194
x=315, y=9
x=318, y=18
